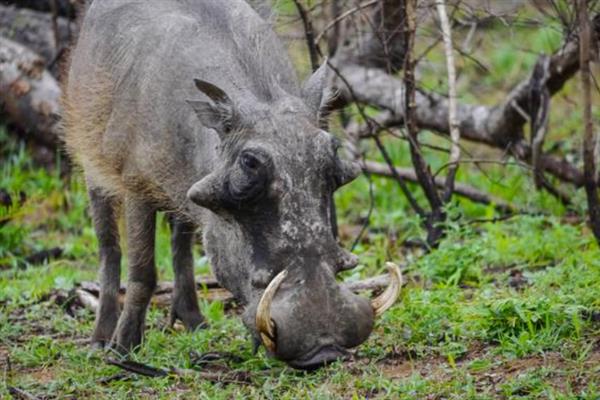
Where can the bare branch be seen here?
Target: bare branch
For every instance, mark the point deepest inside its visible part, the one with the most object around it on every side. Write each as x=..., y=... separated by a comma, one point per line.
x=434, y=231
x=309, y=34
x=383, y=44
x=338, y=18
x=589, y=139
x=21, y=394
x=401, y=181
x=500, y=126
x=372, y=126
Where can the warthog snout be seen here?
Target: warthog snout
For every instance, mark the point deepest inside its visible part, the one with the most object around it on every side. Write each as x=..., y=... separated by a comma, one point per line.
x=312, y=322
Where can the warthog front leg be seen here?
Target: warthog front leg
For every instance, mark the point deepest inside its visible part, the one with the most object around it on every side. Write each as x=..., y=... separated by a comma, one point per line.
x=185, y=300
x=104, y=215
x=140, y=218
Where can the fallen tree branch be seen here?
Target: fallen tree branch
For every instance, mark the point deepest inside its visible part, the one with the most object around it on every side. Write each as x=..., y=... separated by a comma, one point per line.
x=477, y=123
x=37, y=258
x=556, y=166
x=44, y=256
x=87, y=299
x=29, y=95
x=39, y=32
x=208, y=289
x=202, y=282
x=20, y=394
x=501, y=126
x=460, y=189
x=374, y=283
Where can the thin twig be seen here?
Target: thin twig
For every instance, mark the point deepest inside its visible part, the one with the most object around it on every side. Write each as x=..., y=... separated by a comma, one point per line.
x=494, y=220
x=20, y=394
x=333, y=39
x=369, y=213
x=452, y=106
x=411, y=199
x=434, y=230
x=561, y=196
x=310, y=36
x=343, y=16
x=351, y=148
x=461, y=189
x=478, y=161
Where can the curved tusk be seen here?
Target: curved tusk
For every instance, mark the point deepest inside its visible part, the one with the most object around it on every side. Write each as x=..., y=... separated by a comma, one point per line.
x=385, y=300
x=264, y=324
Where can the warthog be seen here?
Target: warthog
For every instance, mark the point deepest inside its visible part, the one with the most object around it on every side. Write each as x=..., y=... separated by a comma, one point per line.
x=191, y=107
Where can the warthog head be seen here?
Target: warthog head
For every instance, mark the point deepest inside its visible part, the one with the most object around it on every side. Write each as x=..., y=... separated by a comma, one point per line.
x=269, y=233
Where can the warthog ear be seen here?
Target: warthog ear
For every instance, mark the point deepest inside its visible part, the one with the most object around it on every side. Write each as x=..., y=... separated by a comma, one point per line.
x=315, y=90
x=218, y=114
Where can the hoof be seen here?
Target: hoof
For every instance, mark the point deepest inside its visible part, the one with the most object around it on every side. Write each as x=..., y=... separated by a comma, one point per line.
x=192, y=319
x=97, y=345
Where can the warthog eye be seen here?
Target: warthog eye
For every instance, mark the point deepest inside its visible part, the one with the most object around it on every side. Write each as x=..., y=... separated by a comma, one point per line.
x=248, y=181
x=249, y=161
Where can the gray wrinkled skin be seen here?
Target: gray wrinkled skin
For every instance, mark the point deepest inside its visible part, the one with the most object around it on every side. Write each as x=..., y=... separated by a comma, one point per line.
x=238, y=153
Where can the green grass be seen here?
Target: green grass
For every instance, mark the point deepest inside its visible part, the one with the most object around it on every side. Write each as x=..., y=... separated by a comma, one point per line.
x=462, y=328
x=509, y=309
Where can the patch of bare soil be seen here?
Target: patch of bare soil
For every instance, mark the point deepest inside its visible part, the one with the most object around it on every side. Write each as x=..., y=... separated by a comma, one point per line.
x=563, y=373
x=4, y=358
x=41, y=376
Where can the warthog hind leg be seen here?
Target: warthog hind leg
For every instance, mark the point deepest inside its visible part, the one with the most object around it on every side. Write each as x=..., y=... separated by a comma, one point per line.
x=104, y=215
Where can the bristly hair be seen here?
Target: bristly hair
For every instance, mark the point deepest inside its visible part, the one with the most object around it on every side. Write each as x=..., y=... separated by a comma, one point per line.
x=81, y=7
